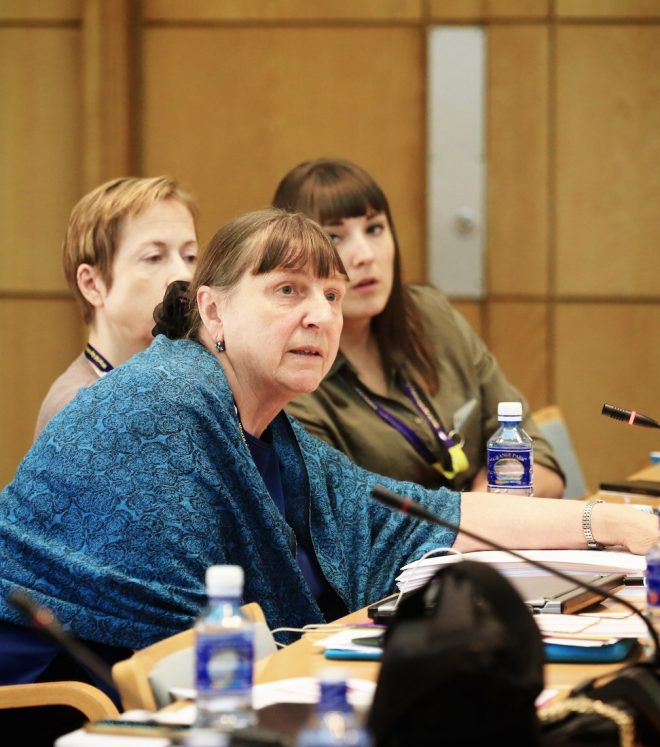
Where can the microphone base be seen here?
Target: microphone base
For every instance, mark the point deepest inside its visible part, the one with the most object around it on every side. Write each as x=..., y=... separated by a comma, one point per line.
x=636, y=687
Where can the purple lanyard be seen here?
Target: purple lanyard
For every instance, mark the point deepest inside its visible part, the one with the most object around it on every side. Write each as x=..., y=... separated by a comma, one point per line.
x=408, y=433
x=97, y=360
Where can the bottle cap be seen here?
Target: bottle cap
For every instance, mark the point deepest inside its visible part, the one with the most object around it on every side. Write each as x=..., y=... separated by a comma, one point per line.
x=509, y=411
x=205, y=738
x=332, y=674
x=224, y=580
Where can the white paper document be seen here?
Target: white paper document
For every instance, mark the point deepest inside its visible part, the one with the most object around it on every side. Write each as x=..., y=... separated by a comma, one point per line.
x=418, y=573
x=589, y=629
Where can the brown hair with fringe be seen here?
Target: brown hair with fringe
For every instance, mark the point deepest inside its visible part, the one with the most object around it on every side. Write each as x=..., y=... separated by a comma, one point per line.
x=258, y=242
x=329, y=190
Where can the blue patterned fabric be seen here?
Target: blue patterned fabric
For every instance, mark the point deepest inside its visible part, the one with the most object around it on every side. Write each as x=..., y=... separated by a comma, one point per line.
x=143, y=481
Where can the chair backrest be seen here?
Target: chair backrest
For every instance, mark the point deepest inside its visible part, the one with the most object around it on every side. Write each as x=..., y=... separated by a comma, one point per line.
x=552, y=425
x=93, y=703
x=145, y=679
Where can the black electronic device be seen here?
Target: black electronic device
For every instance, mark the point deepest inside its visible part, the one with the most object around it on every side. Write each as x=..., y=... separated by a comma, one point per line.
x=249, y=736
x=636, y=487
x=544, y=593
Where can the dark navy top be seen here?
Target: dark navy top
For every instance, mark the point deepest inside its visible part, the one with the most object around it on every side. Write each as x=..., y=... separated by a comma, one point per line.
x=265, y=457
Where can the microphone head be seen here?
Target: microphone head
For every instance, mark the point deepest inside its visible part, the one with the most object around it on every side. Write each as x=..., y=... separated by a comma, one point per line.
x=632, y=417
x=616, y=412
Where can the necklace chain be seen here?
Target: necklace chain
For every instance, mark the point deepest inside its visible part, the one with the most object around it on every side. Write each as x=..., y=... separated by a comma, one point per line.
x=240, y=426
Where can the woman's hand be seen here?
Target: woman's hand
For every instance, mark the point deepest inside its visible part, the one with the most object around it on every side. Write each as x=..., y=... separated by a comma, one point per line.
x=633, y=529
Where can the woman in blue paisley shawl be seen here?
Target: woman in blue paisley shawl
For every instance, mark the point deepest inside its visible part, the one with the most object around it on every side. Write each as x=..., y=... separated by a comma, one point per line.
x=183, y=458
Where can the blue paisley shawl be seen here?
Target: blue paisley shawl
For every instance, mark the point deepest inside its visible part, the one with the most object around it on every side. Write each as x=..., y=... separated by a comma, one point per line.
x=143, y=481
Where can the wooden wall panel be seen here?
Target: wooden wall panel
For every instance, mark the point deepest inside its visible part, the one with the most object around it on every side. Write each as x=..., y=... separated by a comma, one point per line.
x=517, y=336
x=280, y=10
x=605, y=353
x=40, y=152
x=109, y=83
x=485, y=10
x=230, y=110
x=38, y=10
x=608, y=160
x=517, y=159
x=43, y=337
x=607, y=9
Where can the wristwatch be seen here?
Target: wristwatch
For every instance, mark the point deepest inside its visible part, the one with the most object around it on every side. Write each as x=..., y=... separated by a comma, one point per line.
x=586, y=526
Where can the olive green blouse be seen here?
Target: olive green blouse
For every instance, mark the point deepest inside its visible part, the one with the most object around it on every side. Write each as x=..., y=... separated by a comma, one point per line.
x=471, y=385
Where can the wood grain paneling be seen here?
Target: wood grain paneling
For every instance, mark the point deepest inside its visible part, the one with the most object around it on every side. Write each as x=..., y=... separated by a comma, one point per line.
x=281, y=10
x=39, y=151
x=43, y=337
x=608, y=160
x=517, y=158
x=109, y=82
x=38, y=10
x=484, y=10
x=517, y=334
x=605, y=353
x=602, y=9
x=230, y=111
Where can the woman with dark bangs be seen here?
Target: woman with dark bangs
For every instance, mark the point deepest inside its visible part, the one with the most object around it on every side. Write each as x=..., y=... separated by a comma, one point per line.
x=413, y=393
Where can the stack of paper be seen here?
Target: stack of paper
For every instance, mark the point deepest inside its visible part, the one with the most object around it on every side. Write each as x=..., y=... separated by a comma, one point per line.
x=418, y=573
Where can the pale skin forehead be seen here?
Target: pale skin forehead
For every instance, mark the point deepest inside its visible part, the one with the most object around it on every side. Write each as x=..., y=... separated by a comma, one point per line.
x=159, y=216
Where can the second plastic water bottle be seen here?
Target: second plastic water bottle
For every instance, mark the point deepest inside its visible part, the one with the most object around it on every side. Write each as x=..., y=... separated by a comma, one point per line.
x=334, y=722
x=510, y=459
x=652, y=611
x=224, y=654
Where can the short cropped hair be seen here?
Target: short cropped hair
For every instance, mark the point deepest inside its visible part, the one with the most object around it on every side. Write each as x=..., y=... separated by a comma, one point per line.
x=95, y=222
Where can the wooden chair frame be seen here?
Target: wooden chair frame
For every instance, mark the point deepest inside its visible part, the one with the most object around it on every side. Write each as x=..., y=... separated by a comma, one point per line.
x=132, y=675
x=93, y=703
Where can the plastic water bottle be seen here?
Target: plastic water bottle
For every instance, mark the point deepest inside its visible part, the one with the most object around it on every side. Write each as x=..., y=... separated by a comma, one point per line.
x=510, y=455
x=334, y=721
x=224, y=654
x=652, y=611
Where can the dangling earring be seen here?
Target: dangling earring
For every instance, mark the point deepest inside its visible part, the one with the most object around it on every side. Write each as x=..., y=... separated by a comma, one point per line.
x=220, y=346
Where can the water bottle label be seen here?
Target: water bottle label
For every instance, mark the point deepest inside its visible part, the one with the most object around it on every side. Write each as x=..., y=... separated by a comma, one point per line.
x=224, y=663
x=509, y=468
x=653, y=582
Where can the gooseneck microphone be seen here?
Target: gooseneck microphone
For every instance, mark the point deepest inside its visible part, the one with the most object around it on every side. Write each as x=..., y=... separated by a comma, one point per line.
x=416, y=510
x=629, y=416
x=43, y=620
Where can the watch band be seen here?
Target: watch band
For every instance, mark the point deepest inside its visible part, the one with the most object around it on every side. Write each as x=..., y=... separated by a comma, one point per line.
x=586, y=526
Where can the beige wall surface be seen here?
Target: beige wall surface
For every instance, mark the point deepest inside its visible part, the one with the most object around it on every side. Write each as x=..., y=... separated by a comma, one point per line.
x=228, y=95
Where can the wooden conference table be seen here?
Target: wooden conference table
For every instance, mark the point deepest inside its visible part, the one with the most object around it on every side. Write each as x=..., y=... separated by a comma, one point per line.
x=303, y=659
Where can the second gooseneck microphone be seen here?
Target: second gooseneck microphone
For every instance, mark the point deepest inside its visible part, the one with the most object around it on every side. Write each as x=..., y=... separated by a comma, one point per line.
x=629, y=416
